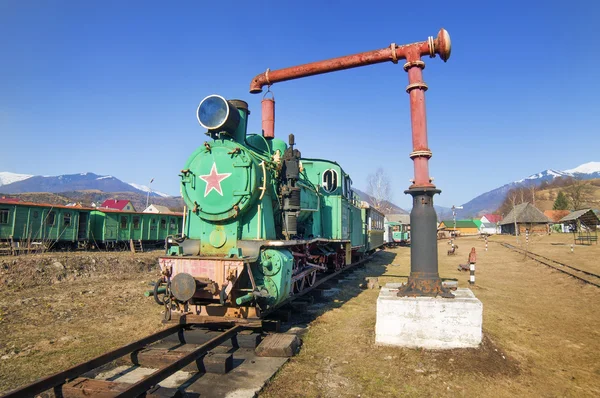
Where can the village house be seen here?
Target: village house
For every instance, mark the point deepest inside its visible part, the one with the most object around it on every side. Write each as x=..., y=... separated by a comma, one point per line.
x=527, y=218
x=122, y=205
x=157, y=209
x=463, y=227
x=491, y=218
x=555, y=216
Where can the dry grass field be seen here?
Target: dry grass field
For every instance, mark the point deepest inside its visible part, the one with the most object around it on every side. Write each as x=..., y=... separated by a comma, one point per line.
x=541, y=327
x=541, y=333
x=67, y=315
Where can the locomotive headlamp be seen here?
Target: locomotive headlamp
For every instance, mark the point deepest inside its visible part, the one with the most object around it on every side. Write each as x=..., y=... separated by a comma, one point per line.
x=217, y=114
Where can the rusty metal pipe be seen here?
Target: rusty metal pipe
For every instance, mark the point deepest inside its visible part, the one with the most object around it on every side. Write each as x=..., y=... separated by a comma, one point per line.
x=268, y=117
x=441, y=45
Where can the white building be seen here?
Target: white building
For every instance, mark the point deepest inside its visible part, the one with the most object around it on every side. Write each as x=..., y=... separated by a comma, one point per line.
x=157, y=209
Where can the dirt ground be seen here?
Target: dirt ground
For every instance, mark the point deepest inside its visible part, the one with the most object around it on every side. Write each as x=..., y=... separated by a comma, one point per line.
x=60, y=309
x=541, y=327
x=541, y=332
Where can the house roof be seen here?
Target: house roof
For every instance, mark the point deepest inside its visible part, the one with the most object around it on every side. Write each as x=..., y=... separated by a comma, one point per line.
x=460, y=224
x=586, y=216
x=160, y=209
x=109, y=210
x=525, y=213
x=402, y=218
x=478, y=223
x=556, y=215
x=32, y=204
x=493, y=217
x=115, y=204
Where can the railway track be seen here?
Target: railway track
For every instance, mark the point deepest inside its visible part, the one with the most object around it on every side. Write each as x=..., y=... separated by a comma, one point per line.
x=73, y=383
x=579, y=274
x=181, y=346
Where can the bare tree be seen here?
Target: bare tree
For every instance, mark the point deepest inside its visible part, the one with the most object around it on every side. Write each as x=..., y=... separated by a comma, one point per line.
x=379, y=188
x=532, y=189
x=580, y=194
x=513, y=197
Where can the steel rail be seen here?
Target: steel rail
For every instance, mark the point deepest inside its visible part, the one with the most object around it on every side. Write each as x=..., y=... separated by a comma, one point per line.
x=60, y=378
x=145, y=384
x=531, y=256
x=566, y=265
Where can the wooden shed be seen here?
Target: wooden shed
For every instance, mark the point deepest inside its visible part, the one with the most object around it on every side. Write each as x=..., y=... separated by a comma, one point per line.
x=463, y=227
x=583, y=222
x=527, y=218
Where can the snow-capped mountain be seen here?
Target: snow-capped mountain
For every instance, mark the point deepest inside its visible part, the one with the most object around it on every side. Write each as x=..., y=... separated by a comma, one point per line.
x=490, y=201
x=591, y=169
x=8, y=178
x=544, y=176
x=12, y=183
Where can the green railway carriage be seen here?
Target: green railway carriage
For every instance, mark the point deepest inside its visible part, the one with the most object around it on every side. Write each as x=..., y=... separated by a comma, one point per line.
x=112, y=228
x=374, y=228
x=396, y=233
x=26, y=226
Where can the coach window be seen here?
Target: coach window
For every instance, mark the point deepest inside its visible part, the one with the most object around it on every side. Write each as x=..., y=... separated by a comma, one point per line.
x=163, y=223
x=67, y=219
x=123, y=222
x=348, y=188
x=136, y=222
x=50, y=218
x=172, y=224
x=36, y=214
x=330, y=180
x=4, y=216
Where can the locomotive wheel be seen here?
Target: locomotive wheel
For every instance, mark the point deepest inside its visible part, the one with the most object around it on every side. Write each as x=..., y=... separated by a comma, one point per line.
x=311, y=278
x=298, y=286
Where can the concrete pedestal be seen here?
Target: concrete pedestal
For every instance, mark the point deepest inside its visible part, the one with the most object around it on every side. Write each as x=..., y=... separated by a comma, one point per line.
x=427, y=322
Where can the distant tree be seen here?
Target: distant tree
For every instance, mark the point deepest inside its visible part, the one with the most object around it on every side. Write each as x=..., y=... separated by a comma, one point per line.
x=379, y=188
x=561, y=202
x=580, y=193
x=532, y=189
x=514, y=197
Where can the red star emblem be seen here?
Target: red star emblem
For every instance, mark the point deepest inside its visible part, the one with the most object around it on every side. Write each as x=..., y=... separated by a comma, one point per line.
x=213, y=180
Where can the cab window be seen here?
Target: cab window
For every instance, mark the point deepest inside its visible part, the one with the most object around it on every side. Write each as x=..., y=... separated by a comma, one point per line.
x=330, y=180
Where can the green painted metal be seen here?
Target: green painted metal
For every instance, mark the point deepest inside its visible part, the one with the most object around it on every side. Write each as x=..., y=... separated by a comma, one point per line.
x=119, y=226
x=235, y=187
x=51, y=224
x=273, y=273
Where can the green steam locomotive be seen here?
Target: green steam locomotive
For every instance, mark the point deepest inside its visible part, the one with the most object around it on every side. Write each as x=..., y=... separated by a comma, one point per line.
x=261, y=224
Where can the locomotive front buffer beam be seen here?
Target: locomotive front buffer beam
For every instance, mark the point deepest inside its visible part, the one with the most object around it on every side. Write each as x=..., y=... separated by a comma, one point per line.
x=424, y=278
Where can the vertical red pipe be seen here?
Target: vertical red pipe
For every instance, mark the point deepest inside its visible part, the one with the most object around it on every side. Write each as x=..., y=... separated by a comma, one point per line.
x=416, y=89
x=268, y=117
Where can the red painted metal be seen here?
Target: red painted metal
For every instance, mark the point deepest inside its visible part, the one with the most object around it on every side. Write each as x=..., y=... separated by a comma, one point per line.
x=268, y=117
x=440, y=45
x=421, y=153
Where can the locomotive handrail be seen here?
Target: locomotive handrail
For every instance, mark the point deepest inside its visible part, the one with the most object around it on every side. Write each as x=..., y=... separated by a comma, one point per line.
x=264, y=187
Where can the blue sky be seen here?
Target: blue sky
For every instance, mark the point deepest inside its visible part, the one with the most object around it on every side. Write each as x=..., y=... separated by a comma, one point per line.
x=112, y=87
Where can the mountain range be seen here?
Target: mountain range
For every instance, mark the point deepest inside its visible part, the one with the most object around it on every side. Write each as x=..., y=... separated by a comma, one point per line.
x=488, y=202
x=12, y=183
